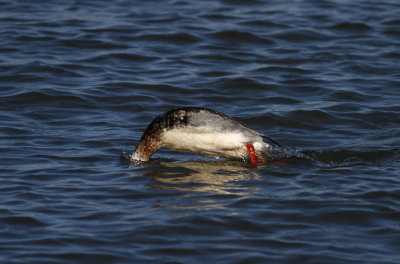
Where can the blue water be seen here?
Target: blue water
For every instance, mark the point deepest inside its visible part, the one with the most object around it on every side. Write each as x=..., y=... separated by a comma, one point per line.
x=80, y=81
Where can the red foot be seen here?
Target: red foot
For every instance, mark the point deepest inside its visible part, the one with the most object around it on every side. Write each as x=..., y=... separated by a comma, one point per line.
x=254, y=159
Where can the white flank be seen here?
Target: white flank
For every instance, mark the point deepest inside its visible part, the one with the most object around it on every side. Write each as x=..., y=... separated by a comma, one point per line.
x=207, y=143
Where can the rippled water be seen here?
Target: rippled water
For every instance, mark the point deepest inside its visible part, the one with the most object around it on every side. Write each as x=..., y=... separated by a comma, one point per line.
x=80, y=81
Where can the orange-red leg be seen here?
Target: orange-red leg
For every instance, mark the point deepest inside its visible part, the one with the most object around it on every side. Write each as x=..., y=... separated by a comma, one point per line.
x=254, y=159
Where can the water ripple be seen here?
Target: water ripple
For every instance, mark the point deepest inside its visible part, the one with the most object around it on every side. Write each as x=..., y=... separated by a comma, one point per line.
x=80, y=81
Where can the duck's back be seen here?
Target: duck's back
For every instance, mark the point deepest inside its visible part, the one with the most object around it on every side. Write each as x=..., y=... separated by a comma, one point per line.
x=204, y=131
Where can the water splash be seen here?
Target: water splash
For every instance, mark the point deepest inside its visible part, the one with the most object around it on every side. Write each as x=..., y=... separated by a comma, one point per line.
x=270, y=152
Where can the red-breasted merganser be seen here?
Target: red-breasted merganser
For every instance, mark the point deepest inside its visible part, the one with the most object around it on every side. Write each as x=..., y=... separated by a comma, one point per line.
x=206, y=132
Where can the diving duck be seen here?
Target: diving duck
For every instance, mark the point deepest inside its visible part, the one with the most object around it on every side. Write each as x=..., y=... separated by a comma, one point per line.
x=203, y=131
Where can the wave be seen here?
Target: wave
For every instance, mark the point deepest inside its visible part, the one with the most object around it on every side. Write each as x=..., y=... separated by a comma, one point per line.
x=341, y=156
x=331, y=157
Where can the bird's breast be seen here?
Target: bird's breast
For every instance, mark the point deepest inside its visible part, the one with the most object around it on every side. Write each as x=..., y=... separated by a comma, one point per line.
x=205, y=142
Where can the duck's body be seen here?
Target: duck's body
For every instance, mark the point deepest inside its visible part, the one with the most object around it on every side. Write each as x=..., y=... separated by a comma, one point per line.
x=202, y=131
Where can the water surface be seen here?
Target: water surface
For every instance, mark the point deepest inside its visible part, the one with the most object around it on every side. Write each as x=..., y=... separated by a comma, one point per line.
x=80, y=81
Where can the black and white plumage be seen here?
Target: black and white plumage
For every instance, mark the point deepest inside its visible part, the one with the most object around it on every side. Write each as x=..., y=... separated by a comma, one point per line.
x=206, y=132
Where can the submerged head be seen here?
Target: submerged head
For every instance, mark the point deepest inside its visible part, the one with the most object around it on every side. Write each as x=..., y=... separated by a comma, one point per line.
x=148, y=145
